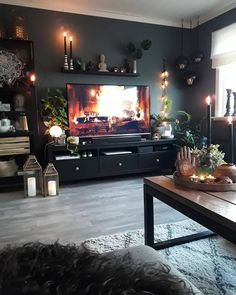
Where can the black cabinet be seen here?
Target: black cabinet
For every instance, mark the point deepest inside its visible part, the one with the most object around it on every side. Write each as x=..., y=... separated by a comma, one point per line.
x=112, y=159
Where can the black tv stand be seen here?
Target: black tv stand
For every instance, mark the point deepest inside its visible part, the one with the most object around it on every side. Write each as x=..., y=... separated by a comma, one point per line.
x=114, y=139
x=103, y=158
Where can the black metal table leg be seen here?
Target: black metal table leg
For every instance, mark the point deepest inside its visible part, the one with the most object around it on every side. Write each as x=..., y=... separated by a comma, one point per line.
x=148, y=218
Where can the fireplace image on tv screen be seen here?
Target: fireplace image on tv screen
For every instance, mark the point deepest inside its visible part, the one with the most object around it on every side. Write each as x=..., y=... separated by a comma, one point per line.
x=103, y=110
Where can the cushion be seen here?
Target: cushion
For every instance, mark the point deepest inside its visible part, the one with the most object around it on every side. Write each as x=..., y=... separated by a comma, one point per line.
x=141, y=269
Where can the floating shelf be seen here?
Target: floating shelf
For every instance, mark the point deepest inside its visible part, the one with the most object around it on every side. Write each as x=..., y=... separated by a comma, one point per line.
x=100, y=73
x=17, y=133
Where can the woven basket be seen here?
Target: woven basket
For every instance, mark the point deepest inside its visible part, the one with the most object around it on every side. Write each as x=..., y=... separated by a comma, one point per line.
x=8, y=168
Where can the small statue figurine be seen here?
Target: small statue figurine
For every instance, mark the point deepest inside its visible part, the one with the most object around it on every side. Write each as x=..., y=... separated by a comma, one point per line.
x=102, y=67
x=185, y=163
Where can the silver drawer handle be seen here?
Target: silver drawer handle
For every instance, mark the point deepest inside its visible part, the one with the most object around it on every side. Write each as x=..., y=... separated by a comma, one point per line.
x=120, y=164
x=157, y=160
x=77, y=168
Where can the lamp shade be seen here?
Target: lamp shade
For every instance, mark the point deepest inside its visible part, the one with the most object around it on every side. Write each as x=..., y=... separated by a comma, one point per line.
x=197, y=56
x=181, y=62
x=190, y=78
x=55, y=131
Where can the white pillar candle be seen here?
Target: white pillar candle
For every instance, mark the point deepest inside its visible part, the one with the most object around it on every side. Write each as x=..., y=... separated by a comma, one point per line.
x=52, y=188
x=31, y=182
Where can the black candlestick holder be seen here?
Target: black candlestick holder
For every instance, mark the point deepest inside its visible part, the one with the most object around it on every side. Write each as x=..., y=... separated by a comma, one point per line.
x=234, y=94
x=228, y=105
x=66, y=65
x=71, y=67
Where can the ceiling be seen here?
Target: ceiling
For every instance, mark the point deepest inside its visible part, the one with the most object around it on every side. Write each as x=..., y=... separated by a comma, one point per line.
x=165, y=12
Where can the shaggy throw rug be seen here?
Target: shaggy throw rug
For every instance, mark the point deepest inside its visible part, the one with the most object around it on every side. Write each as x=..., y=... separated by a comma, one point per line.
x=210, y=263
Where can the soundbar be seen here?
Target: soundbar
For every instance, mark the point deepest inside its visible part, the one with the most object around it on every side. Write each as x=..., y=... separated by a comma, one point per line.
x=113, y=139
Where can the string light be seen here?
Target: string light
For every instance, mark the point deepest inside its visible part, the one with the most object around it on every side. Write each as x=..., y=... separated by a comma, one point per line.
x=165, y=101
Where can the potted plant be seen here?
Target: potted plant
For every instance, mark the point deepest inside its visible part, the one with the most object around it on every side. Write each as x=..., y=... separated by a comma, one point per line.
x=135, y=53
x=54, y=110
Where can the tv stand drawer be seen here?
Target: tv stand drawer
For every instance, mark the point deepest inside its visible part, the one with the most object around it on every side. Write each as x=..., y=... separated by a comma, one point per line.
x=111, y=164
x=77, y=169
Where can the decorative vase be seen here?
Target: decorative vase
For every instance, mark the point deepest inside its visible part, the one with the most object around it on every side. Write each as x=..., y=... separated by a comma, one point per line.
x=226, y=170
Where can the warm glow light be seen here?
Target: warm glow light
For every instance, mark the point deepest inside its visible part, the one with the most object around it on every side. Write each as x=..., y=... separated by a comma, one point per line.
x=32, y=78
x=70, y=38
x=92, y=92
x=202, y=178
x=64, y=34
x=55, y=131
x=230, y=119
x=208, y=99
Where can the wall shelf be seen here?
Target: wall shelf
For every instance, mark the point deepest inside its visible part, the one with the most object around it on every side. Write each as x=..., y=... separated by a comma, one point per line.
x=100, y=73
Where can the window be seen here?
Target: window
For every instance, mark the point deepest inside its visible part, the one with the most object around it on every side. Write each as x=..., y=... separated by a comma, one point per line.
x=223, y=54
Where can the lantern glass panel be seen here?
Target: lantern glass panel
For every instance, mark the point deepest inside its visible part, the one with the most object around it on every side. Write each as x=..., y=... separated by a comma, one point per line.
x=51, y=181
x=32, y=177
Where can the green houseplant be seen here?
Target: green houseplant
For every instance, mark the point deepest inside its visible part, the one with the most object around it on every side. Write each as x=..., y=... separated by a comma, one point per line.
x=54, y=109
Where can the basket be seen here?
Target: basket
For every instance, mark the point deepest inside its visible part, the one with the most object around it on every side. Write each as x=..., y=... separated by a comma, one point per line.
x=8, y=168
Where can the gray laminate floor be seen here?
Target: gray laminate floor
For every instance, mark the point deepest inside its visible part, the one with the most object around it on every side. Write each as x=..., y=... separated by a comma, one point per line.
x=83, y=210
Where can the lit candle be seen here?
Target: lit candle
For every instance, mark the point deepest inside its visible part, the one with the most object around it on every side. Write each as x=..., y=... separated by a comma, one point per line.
x=52, y=188
x=210, y=178
x=194, y=178
x=231, y=140
x=208, y=101
x=202, y=178
x=70, y=47
x=31, y=184
x=65, y=43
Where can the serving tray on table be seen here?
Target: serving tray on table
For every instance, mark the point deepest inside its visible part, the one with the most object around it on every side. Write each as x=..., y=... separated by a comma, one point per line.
x=214, y=187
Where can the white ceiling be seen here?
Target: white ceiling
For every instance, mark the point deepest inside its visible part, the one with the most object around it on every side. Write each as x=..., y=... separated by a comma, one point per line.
x=165, y=12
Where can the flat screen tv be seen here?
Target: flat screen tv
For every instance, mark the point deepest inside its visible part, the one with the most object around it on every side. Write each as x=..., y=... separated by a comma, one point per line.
x=108, y=110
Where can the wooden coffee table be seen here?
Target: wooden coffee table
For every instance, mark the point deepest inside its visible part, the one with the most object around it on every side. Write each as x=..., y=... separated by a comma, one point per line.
x=214, y=210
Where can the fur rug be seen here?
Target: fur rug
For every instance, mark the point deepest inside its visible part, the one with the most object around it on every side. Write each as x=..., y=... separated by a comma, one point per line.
x=210, y=264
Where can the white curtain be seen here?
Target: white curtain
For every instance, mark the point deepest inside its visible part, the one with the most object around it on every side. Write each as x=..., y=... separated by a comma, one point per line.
x=223, y=49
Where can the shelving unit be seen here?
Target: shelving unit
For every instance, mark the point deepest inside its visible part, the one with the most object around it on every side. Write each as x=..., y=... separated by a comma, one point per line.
x=125, y=74
x=20, y=143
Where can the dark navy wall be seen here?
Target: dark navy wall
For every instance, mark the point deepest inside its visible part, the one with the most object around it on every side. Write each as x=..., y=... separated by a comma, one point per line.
x=196, y=95
x=95, y=35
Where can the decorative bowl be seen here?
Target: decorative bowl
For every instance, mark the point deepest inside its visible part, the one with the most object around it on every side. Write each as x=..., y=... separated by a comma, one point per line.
x=226, y=170
x=4, y=129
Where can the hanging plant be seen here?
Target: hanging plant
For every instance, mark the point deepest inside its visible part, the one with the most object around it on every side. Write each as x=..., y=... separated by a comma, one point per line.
x=137, y=52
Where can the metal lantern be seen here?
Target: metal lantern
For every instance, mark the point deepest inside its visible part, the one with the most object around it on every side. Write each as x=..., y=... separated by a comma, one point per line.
x=19, y=31
x=51, y=181
x=33, y=180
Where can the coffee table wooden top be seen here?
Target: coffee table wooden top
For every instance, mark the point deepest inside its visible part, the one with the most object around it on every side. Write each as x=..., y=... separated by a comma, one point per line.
x=219, y=206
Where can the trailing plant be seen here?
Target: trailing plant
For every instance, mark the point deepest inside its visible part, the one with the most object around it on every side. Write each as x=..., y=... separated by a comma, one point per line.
x=54, y=109
x=137, y=52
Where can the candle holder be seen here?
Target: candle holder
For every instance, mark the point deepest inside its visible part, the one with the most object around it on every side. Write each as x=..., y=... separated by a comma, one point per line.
x=228, y=105
x=234, y=94
x=66, y=65
x=71, y=67
x=50, y=181
x=32, y=172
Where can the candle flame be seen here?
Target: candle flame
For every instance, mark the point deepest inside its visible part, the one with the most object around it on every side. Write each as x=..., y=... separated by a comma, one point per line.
x=70, y=38
x=208, y=99
x=230, y=119
x=64, y=34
